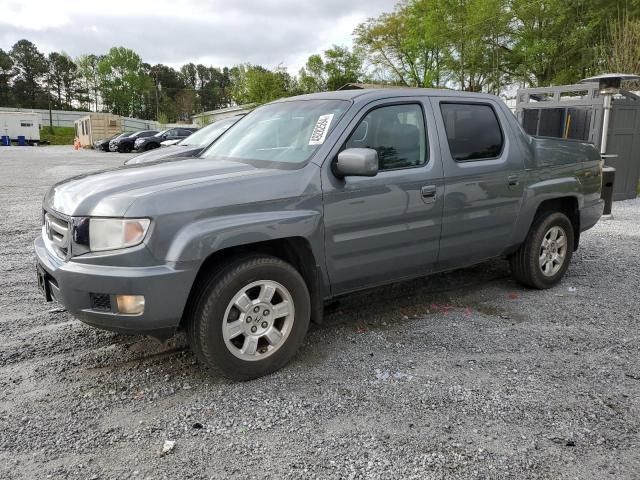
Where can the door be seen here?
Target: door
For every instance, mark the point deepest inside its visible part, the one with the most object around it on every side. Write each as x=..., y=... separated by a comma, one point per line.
x=384, y=228
x=624, y=143
x=484, y=172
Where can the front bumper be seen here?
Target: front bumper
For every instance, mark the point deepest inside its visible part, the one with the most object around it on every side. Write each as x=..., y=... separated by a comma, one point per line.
x=165, y=288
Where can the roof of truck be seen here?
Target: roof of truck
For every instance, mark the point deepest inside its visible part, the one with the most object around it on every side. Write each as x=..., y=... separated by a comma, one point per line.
x=381, y=93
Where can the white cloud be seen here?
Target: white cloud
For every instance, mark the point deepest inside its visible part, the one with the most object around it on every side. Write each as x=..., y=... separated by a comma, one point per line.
x=218, y=32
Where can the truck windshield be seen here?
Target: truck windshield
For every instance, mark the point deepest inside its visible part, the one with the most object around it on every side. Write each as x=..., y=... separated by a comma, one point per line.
x=285, y=132
x=208, y=134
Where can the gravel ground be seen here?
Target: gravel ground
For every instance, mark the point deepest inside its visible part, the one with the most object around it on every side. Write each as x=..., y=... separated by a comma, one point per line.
x=463, y=375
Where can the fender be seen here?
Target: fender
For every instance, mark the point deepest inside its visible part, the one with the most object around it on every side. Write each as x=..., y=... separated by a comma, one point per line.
x=538, y=192
x=197, y=240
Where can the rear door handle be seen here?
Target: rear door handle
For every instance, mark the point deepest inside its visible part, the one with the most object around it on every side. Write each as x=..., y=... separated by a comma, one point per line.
x=428, y=193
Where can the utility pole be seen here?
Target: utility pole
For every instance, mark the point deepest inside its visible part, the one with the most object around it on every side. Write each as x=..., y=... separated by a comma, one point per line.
x=50, y=113
x=157, y=103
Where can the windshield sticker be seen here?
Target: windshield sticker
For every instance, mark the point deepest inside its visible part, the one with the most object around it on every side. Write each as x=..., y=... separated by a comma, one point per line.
x=320, y=130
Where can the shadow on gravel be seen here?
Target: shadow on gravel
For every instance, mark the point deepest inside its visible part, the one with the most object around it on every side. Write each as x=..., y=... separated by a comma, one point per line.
x=415, y=297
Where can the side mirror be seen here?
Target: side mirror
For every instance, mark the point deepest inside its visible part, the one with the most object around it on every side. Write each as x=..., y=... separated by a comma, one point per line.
x=356, y=162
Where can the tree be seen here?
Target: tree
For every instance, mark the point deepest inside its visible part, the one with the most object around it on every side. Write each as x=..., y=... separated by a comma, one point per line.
x=89, y=79
x=312, y=77
x=256, y=84
x=169, y=84
x=30, y=68
x=189, y=75
x=406, y=45
x=620, y=50
x=341, y=66
x=125, y=87
x=63, y=77
x=6, y=74
x=476, y=34
x=557, y=41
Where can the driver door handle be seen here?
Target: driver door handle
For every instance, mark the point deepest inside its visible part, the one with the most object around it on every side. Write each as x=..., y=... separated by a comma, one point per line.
x=428, y=193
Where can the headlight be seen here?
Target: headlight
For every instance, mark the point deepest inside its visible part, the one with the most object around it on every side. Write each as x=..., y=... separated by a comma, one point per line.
x=115, y=233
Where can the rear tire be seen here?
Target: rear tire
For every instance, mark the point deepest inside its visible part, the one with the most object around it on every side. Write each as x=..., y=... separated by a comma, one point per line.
x=543, y=258
x=250, y=317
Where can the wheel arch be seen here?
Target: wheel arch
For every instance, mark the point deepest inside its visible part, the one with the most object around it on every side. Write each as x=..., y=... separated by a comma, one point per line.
x=296, y=251
x=559, y=194
x=567, y=205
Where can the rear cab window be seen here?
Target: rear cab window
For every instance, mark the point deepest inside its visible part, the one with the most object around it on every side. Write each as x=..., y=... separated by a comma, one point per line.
x=473, y=131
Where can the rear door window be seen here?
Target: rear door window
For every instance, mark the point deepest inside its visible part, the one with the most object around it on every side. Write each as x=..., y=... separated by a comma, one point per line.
x=473, y=131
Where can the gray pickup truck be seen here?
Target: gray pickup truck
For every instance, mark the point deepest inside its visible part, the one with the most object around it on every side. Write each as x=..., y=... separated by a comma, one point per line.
x=306, y=199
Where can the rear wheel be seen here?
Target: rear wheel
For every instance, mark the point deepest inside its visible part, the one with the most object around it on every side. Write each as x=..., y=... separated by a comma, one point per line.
x=542, y=260
x=250, y=318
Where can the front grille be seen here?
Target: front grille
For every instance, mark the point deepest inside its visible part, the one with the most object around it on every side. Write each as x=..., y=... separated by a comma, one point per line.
x=100, y=301
x=58, y=231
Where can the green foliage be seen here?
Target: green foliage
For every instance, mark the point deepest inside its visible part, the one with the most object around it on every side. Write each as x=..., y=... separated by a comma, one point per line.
x=342, y=66
x=257, y=85
x=88, y=93
x=620, y=51
x=123, y=84
x=30, y=67
x=312, y=77
x=59, y=136
x=339, y=67
x=62, y=78
x=476, y=45
x=399, y=45
x=6, y=73
x=163, y=119
x=487, y=45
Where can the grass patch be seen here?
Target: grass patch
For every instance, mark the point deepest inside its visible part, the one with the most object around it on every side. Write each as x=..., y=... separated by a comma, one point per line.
x=60, y=135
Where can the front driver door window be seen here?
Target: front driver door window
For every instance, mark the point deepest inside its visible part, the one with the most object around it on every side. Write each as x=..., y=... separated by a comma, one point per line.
x=396, y=133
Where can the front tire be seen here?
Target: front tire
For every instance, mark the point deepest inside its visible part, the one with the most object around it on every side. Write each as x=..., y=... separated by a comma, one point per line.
x=250, y=318
x=542, y=260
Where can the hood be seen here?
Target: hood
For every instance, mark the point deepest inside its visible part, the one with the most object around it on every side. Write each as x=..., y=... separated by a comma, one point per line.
x=173, y=151
x=111, y=192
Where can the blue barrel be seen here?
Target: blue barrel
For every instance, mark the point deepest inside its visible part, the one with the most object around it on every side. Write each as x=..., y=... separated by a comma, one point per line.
x=6, y=141
x=22, y=141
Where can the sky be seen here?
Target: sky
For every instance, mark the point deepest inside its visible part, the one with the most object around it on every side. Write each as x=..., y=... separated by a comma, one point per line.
x=174, y=32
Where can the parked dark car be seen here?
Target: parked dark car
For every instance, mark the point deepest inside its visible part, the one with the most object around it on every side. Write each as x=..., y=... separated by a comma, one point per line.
x=307, y=199
x=142, y=144
x=125, y=144
x=103, y=144
x=191, y=146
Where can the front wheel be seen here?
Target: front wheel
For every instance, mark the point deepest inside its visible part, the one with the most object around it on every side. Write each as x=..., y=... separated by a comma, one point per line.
x=542, y=260
x=250, y=318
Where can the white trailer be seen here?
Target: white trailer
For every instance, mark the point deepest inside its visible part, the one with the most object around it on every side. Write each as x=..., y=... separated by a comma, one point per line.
x=21, y=124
